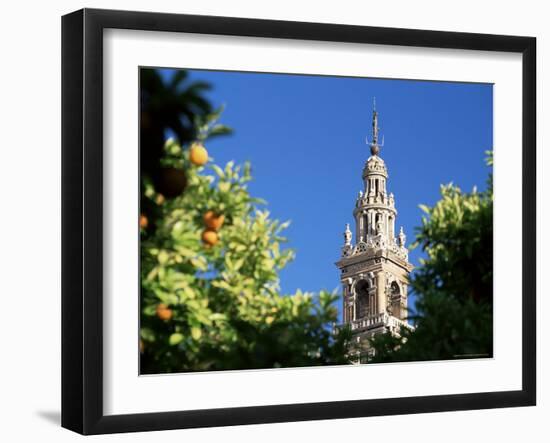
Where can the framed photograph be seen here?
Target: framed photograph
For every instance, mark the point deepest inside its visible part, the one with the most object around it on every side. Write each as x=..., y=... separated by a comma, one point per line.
x=268, y=221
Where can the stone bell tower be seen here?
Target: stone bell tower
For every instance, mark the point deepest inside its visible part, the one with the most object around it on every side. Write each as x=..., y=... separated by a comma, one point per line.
x=374, y=270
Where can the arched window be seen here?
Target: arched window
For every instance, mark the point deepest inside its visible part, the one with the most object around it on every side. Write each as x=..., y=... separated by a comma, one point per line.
x=395, y=289
x=362, y=293
x=395, y=300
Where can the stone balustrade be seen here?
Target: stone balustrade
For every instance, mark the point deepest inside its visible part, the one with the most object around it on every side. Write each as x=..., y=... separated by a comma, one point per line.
x=382, y=319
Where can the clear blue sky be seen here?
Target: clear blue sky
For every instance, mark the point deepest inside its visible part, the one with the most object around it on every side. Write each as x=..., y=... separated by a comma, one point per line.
x=305, y=138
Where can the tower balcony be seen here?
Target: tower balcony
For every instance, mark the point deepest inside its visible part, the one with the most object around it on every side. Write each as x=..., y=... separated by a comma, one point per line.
x=377, y=321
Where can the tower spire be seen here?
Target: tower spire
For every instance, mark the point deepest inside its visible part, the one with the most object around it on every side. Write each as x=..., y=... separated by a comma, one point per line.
x=374, y=145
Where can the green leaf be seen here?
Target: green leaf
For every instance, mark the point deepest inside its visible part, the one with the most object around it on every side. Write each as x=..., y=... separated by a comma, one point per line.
x=162, y=257
x=147, y=334
x=220, y=130
x=175, y=339
x=219, y=171
x=424, y=208
x=196, y=333
x=200, y=263
x=237, y=264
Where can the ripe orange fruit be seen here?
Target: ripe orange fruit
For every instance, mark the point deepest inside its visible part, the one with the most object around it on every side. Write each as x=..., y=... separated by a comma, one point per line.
x=143, y=222
x=198, y=154
x=213, y=221
x=141, y=346
x=209, y=237
x=164, y=312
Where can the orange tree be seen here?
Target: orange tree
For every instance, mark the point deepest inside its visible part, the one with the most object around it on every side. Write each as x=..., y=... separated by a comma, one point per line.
x=210, y=258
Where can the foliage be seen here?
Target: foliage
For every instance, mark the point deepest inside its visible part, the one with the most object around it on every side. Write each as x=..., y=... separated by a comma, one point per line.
x=225, y=310
x=173, y=106
x=454, y=284
x=177, y=107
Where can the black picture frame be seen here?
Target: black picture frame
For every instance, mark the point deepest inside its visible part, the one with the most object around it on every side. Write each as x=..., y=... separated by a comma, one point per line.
x=82, y=218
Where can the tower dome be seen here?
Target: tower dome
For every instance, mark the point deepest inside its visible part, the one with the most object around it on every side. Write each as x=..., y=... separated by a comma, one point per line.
x=375, y=166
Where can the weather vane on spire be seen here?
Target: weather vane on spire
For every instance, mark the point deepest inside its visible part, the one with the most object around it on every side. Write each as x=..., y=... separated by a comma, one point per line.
x=374, y=145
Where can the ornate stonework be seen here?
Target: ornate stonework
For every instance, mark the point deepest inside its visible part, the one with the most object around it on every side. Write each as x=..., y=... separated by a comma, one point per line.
x=374, y=270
